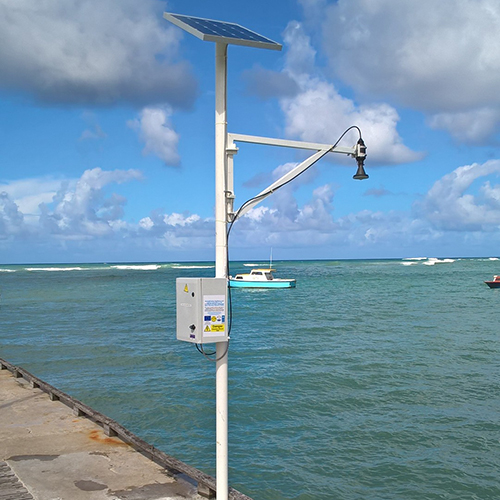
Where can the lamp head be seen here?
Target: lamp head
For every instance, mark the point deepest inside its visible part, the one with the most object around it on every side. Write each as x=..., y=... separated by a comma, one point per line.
x=360, y=156
x=360, y=175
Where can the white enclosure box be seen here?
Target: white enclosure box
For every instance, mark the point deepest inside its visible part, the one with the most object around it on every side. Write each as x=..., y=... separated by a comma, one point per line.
x=202, y=310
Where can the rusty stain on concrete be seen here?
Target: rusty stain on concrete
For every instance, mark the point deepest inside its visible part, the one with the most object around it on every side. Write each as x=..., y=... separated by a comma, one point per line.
x=56, y=456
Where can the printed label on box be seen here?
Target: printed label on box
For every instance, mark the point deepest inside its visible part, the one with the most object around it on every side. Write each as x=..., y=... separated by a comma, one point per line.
x=214, y=315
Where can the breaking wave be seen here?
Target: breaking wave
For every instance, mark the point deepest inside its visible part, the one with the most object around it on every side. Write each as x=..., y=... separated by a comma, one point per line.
x=432, y=261
x=137, y=267
x=193, y=267
x=55, y=269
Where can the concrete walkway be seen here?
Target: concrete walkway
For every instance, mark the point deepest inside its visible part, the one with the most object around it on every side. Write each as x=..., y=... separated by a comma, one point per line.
x=49, y=453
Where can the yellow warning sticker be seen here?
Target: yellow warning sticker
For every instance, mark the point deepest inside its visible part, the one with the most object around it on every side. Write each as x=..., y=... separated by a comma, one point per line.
x=186, y=289
x=217, y=328
x=207, y=328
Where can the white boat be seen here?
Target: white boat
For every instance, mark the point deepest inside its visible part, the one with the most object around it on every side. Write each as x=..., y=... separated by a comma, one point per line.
x=260, y=278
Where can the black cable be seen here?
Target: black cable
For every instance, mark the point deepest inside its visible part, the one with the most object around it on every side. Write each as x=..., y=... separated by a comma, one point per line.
x=208, y=354
x=345, y=132
x=201, y=351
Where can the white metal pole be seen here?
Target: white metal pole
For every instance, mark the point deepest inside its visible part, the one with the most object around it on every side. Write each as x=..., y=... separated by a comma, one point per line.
x=221, y=267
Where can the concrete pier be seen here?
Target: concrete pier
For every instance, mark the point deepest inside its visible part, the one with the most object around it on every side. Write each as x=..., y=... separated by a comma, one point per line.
x=53, y=447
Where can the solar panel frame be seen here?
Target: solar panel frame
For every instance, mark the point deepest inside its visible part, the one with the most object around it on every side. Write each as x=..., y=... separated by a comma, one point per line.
x=221, y=31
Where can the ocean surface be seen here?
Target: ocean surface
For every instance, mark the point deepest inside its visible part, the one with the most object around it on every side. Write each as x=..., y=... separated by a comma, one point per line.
x=374, y=379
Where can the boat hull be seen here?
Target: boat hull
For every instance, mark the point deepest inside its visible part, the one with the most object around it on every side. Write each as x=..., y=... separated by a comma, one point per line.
x=493, y=284
x=262, y=284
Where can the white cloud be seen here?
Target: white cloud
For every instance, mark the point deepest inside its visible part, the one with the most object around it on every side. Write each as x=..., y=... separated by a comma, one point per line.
x=319, y=113
x=473, y=127
x=300, y=55
x=11, y=219
x=176, y=231
x=286, y=221
x=333, y=114
x=27, y=194
x=82, y=212
x=92, y=52
x=146, y=223
x=317, y=213
x=84, y=219
x=314, y=109
x=442, y=56
x=439, y=57
x=176, y=219
x=156, y=131
x=85, y=209
x=451, y=205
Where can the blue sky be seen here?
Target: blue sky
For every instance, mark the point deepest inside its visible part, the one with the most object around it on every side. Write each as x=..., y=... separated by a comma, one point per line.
x=107, y=129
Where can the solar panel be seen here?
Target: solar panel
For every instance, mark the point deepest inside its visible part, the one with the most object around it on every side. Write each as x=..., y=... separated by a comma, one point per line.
x=221, y=31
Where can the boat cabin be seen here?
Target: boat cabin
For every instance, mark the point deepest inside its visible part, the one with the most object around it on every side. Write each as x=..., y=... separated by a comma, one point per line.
x=257, y=275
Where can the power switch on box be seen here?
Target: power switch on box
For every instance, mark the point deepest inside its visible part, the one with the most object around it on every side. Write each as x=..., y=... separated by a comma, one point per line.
x=202, y=310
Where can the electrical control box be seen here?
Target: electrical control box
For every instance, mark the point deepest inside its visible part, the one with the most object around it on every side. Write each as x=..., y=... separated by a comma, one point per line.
x=202, y=310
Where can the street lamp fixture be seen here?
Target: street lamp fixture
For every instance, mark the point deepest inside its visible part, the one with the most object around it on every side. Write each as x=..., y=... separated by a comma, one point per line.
x=360, y=159
x=358, y=152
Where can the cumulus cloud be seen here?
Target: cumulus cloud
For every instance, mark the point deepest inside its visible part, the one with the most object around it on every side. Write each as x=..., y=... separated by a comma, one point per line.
x=315, y=111
x=11, y=219
x=441, y=58
x=264, y=225
x=333, y=114
x=300, y=55
x=157, y=133
x=27, y=194
x=97, y=52
x=178, y=231
x=84, y=212
x=476, y=127
x=319, y=113
x=296, y=228
x=451, y=204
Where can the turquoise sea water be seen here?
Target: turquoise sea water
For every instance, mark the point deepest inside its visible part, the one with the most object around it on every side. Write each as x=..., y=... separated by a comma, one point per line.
x=370, y=380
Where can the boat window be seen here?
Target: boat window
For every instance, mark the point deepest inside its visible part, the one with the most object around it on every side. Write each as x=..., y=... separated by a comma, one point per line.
x=269, y=276
x=239, y=277
x=258, y=273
